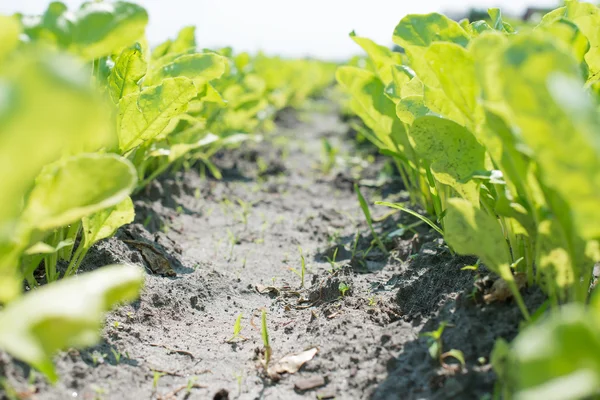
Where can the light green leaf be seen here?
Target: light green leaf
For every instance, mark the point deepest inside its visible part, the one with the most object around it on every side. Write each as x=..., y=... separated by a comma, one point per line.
x=568, y=33
x=382, y=57
x=45, y=248
x=422, y=30
x=104, y=28
x=104, y=224
x=471, y=231
x=587, y=18
x=375, y=109
x=56, y=114
x=65, y=314
x=142, y=117
x=453, y=153
x=454, y=70
x=10, y=29
x=410, y=108
x=185, y=41
x=557, y=120
x=557, y=358
x=130, y=67
x=70, y=189
x=199, y=67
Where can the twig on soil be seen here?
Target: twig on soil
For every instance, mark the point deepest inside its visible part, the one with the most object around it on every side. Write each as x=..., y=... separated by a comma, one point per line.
x=172, y=351
x=173, y=394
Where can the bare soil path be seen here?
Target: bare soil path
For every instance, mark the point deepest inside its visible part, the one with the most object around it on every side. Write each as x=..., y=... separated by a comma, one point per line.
x=231, y=239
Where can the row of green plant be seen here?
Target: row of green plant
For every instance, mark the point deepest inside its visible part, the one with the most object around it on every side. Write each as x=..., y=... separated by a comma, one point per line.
x=88, y=116
x=494, y=130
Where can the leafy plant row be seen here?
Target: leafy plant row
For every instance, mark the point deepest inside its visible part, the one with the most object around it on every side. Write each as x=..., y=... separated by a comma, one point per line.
x=89, y=114
x=494, y=130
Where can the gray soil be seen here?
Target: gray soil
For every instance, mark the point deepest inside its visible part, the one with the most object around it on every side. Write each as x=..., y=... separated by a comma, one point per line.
x=225, y=238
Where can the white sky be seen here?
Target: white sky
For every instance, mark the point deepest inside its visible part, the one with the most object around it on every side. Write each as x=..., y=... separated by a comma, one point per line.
x=296, y=28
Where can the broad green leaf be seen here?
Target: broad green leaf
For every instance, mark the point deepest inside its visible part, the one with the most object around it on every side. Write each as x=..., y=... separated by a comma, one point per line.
x=10, y=29
x=553, y=257
x=567, y=32
x=104, y=224
x=455, y=74
x=382, y=57
x=557, y=358
x=376, y=110
x=185, y=41
x=65, y=314
x=497, y=22
x=199, y=67
x=47, y=110
x=104, y=28
x=53, y=27
x=410, y=108
x=587, y=18
x=75, y=187
x=161, y=50
x=557, y=120
x=143, y=116
x=453, y=153
x=422, y=30
x=472, y=231
x=130, y=67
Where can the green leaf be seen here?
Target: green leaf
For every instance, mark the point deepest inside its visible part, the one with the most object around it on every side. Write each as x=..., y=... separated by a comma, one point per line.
x=373, y=107
x=497, y=22
x=383, y=58
x=410, y=108
x=45, y=248
x=587, y=18
x=557, y=120
x=130, y=67
x=454, y=70
x=10, y=29
x=199, y=67
x=48, y=111
x=104, y=28
x=64, y=314
x=422, y=30
x=471, y=231
x=104, y=224
x=75, y=187
x=453, y=153
x=557, y=358
x=143, y=116
x=185, y=41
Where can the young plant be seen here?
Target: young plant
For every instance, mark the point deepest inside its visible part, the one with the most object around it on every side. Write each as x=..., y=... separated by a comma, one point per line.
x=302, y=272
x=265, y=338
x=435, y=344
x=237, y=329
x=365, y=208
x=343, y=288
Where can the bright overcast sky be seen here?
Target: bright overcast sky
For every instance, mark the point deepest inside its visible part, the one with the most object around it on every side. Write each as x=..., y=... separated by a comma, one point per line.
x=296, y=28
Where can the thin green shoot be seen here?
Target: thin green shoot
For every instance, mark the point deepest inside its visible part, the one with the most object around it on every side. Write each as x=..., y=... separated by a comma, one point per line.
x=414, y=214
x=265, y=338
x=343, y=288
x=156, y=377
x=435, y=346
x=332, y=261
x=365, y=208
x=237, y=329
x=473, y=267
x=117, y=354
